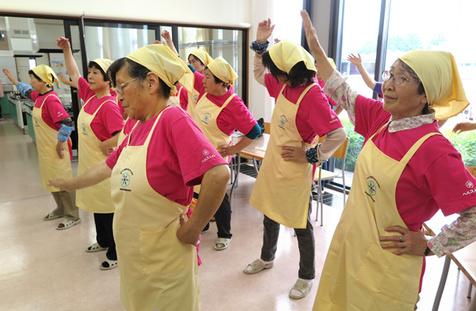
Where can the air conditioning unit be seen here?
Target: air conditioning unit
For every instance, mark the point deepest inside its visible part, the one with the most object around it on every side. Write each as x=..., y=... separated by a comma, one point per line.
x=21, y=34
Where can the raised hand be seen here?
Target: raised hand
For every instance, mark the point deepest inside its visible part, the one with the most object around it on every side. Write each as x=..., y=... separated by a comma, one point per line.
x=264, y=30
x=355, y=59
x=464, y=127
x=166, y=35
x=63, y=43
x=10, y=76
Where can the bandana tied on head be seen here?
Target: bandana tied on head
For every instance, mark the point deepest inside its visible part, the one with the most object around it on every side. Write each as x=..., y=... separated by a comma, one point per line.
x=286, y=54
x=161, y=60
x=202, y=55
x=46, y=74
x=221, y=69
x=104, y=63
x=438, y=72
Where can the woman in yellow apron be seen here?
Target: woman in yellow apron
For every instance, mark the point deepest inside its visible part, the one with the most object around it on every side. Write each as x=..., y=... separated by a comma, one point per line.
x=152, y=174
x=405, y=173
x=218, y=113
x=99, y=124
x=283, y=187
x=52, y=126
x=198, y=60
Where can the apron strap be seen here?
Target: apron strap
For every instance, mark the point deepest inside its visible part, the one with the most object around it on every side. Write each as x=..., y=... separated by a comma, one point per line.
x=304, y=93
x=88, y=100
x=132, y=130
x=416, y=146
x=149, y=136
x=44, y=100
x=282, y=89
x=228, y=100
x=379, y=130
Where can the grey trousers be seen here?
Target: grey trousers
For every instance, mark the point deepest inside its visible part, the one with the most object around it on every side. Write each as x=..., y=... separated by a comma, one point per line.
x=65, y=204
x=305, y=239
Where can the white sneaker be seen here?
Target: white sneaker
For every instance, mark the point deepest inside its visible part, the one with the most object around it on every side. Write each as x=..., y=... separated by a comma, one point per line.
x=257, y=266
x=300, y=289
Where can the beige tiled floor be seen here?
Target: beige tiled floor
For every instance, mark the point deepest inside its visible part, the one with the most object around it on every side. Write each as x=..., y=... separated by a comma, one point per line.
x=45, y=269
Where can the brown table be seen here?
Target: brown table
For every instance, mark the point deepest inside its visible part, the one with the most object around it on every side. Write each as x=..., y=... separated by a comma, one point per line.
x=254, y=151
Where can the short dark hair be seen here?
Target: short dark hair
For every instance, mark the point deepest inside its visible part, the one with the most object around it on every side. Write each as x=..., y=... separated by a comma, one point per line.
x=93, y=65
x=298, y=75
x=135, y=70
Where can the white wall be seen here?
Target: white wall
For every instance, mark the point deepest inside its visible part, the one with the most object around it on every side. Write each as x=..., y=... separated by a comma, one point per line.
x=235, y=13
x=209, y=12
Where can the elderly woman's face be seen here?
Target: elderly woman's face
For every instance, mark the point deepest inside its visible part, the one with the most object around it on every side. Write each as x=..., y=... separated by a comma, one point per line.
x=128, y=90
x=196, y=63
x=400, y=93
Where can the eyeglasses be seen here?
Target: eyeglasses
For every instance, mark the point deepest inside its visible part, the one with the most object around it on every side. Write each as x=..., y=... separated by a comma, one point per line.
x=120, y=88
x=397, y=79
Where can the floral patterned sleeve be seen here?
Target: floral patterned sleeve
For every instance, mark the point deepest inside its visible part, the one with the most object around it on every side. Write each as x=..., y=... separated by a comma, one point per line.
x=456, y=235
x=340, y=91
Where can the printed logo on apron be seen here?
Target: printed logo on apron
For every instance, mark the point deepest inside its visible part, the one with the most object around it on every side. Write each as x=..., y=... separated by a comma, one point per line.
x=206, y=117
x=372, y=187
x=126, y=176
x=282, y=121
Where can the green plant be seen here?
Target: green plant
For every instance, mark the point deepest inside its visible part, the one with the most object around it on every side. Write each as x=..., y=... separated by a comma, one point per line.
x=354, y=147
x=465, y=143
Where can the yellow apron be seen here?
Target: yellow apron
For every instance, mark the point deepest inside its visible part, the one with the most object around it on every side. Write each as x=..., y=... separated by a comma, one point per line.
x=358, y=274
x=51, y=166
x=192, y=102
x=205, y=115
x=158, y=272
x=283, y=188
x=96, y=199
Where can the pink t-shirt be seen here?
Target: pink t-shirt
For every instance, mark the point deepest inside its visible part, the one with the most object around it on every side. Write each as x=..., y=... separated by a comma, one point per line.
x=53, y=111
x=435, y=177
x=314, y=115
x=177, y=157
x=108, y=120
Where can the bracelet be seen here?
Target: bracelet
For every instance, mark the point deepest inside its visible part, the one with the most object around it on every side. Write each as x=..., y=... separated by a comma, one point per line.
x=259, y=48
x=312, y=155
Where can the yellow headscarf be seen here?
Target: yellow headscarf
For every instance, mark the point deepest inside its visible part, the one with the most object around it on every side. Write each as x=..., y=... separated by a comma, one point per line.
x=286, y=54
x=161, y=60
x=202, y=55
x=439, y=74
x=46, y=74
x=104, y=63
x=220, y=68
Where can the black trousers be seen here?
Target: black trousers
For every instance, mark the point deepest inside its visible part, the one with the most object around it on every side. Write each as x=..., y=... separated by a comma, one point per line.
x=104, y=235
x=223, y=218
x=305, y=239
